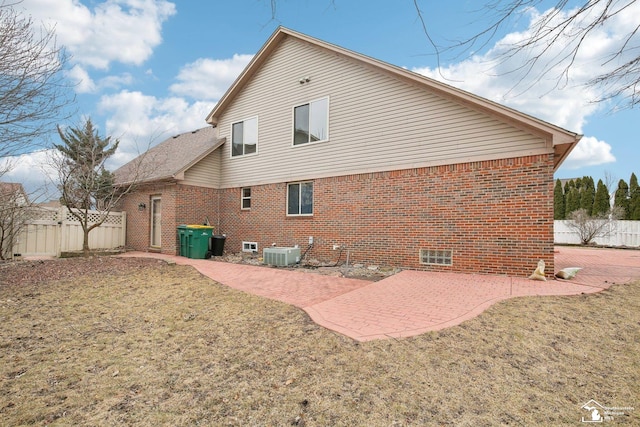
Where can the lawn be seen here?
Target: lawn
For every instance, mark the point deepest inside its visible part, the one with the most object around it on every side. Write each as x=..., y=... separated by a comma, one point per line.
x=112, y=341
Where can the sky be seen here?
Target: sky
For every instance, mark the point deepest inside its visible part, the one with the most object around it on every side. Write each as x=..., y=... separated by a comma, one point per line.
x=144, y=70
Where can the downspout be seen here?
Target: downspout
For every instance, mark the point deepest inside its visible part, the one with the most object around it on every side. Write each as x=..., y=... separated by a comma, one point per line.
x=218, y=212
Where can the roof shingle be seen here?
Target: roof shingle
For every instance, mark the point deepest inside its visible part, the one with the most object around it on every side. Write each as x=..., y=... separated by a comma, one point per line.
x=171, y=157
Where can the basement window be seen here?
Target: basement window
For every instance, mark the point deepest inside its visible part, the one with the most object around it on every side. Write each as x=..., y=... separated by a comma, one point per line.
x=436, y=257
x=249, y=247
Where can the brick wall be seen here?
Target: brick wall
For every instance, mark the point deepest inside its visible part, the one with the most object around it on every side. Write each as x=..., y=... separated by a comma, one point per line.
x=194, y=205
x=180, y=204
x=496, y=216
x=139, y=221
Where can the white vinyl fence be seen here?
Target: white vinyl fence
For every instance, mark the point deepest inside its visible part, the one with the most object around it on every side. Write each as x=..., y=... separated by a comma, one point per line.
x=620, y=234
x=52, y=231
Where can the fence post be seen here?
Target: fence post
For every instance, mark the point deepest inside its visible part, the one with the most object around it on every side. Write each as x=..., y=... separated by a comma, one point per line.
x=123, y=230
x=62, y=216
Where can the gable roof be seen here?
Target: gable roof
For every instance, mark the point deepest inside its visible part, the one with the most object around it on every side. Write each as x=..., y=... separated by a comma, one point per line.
x=169, y=160
x=561, y=139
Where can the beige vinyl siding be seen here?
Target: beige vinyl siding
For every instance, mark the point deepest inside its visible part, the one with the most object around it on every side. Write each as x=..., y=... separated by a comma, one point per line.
x=206, y=172
x=377, y=122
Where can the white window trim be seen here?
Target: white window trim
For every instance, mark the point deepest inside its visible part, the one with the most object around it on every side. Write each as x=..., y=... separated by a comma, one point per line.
x=293, y=123
x=313, y=201
x=152, y=212
x=243, y=198
x=257, y=138
x=246, y=247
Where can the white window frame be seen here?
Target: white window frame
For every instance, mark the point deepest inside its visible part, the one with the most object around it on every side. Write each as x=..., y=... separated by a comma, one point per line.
x=293, y=122
x=155, y=237
x=300, y=198
x=243, y=143
x=250, y=247
x=243, y=198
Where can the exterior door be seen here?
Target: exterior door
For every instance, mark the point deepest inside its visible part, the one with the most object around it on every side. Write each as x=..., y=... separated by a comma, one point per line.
x=156, y=221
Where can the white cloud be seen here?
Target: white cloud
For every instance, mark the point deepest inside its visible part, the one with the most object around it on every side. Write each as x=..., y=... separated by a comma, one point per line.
x=555, y=96
x=83, y=83
x=567, y=107
x=115, y=82
x=126, y=31
x=34, y=172
x=81, y=80
x=141, y=121
x=208, y=78
x=589, y=152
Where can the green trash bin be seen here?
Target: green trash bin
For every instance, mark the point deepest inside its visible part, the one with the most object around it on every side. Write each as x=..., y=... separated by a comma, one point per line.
x=198, y=241
x=183, y=245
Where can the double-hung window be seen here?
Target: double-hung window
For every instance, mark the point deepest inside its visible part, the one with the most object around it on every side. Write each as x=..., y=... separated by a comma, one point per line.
x=300, y=198
x=311, y=122
x=246, y=198
x=244, y=137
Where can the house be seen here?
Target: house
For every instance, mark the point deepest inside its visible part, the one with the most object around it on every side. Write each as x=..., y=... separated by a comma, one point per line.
x=318, y=146
x=12, y=194
x=54, y=203
x=175, y=184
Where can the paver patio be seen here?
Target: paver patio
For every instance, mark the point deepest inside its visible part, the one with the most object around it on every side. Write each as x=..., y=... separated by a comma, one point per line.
x=413, y=302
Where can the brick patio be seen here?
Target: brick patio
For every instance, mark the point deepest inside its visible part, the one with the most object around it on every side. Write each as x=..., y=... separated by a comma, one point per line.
x=413, y=302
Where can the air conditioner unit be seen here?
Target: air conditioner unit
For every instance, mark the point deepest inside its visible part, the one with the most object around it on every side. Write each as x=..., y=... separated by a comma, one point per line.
x=280, y=256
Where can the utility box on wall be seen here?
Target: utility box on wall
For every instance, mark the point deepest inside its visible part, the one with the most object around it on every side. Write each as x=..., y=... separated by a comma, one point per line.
x=281, y=257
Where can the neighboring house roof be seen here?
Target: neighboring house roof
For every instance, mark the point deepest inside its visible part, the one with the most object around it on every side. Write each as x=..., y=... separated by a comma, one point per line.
x=50, y=204
x=13, y=192
x=563, y=141
x=169, y=160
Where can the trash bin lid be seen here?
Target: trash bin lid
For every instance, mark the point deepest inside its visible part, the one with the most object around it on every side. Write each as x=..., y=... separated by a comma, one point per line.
x=208, y=227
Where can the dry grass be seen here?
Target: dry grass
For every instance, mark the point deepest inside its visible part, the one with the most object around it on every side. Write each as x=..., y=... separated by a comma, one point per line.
x=157, y=344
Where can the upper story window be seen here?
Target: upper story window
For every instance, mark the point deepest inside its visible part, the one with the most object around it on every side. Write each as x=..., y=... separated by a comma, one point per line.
x=311, y=122
x=244, y=137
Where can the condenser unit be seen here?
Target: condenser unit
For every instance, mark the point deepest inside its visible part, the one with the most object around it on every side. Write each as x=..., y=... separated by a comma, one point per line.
x=281, y=256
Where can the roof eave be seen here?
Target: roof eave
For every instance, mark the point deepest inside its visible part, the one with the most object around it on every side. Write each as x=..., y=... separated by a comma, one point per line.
x=562, y=140
x=169, y=179
x=562, y=151
x=248, y=71
x=558, y=135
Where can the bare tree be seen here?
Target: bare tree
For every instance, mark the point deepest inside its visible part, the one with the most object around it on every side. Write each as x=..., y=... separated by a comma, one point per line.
x=556, y=38
x=33, y=92
x=590, y=227
x=610, y=181
x=14, y=212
